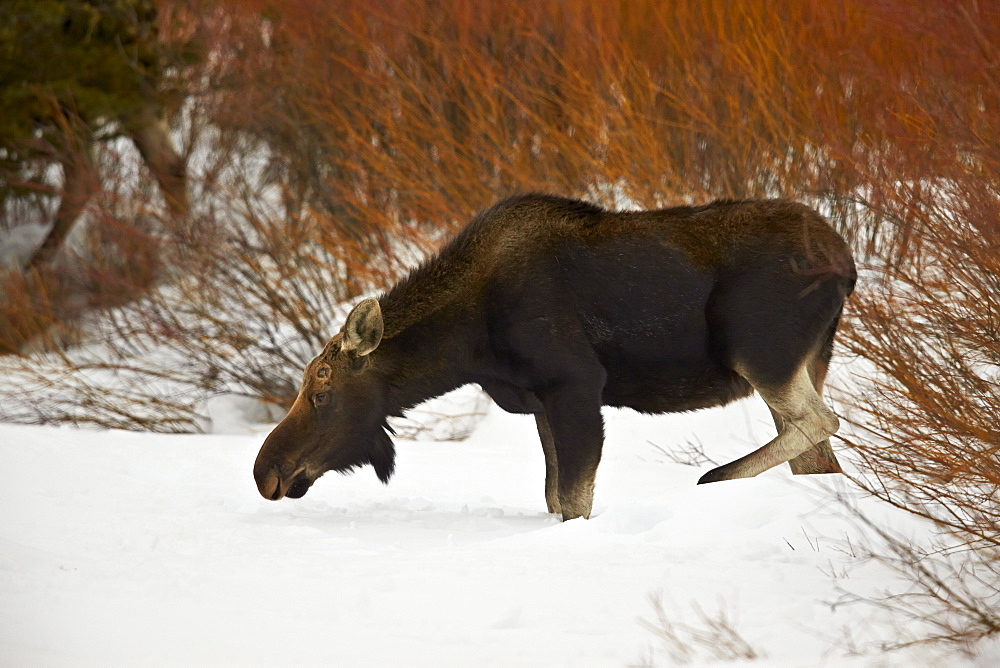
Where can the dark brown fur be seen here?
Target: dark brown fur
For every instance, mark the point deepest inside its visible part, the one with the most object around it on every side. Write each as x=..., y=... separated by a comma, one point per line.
x=557, y=307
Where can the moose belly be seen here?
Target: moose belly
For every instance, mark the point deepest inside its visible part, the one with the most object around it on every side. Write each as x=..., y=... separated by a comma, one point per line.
x=672, y=387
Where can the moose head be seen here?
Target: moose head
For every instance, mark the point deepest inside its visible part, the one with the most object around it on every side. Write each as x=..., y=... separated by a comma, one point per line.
x=337, y=422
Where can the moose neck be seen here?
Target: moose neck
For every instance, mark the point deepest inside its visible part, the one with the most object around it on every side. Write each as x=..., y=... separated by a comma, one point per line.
x=425, y=359
x=429, y=319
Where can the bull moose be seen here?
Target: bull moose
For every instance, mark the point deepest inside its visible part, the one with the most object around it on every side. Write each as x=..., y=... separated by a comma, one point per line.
x=557, y=307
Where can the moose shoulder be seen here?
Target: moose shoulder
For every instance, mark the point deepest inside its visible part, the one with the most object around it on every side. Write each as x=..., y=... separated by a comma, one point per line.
x=557, y=307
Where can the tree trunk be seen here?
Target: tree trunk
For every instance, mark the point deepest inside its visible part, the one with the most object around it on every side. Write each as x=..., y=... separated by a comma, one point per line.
x=152, y=138
x=79, y=183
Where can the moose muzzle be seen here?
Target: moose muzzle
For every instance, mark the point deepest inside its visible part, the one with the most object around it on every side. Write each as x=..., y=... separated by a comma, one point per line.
x=278, y=480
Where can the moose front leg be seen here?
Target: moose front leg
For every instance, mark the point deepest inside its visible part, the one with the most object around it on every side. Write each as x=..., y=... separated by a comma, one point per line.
x=551, y=464
x=577, y=428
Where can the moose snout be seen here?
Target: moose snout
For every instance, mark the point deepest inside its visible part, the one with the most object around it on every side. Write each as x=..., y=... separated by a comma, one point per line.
x=269, y=481
x=279, y=480
x=273, y=477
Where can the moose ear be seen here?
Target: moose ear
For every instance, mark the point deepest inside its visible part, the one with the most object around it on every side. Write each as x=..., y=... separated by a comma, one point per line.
x=363, y=329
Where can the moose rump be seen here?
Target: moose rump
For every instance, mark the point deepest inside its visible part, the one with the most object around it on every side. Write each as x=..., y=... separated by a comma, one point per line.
x=557, y=307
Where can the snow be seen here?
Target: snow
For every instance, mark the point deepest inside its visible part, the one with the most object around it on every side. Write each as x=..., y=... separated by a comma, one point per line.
x=122, y=548
x=18, y=243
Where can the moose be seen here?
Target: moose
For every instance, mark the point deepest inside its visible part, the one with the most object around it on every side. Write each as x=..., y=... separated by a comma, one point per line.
x=557, y=307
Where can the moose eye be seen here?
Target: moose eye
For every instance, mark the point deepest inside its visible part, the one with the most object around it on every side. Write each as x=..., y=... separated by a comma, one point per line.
x=320, y=399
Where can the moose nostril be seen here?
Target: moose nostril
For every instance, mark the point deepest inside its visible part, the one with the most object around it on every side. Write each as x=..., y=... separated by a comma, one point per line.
x=273, y=480
x=270, y=487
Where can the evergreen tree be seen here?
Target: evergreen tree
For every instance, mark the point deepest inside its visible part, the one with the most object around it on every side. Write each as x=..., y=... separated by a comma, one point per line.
x=74, y=73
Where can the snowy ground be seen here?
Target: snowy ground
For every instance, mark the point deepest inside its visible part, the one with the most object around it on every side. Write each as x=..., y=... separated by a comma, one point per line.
x=134, y=549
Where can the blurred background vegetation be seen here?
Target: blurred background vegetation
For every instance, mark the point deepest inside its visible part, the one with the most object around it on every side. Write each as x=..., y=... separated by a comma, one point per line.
x=221, y=177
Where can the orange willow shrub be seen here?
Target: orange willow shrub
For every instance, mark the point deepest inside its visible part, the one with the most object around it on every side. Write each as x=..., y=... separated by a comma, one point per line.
x=338, y=140
x=926, y=422
x=398, y=110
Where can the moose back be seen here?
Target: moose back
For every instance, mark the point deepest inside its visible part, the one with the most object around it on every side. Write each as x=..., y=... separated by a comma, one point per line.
x=557, y=307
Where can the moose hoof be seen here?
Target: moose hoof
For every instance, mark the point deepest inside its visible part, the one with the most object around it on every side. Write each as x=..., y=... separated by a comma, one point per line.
x=570, y=512
x=715, y=475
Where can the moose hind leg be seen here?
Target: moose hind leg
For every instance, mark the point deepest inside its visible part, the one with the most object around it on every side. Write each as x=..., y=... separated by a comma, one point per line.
x=820, y=457
x=805, y=422
x=551, y=463
x=817, y=459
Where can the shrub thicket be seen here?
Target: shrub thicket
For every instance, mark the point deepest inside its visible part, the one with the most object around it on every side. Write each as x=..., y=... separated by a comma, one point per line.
x=334, y=142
